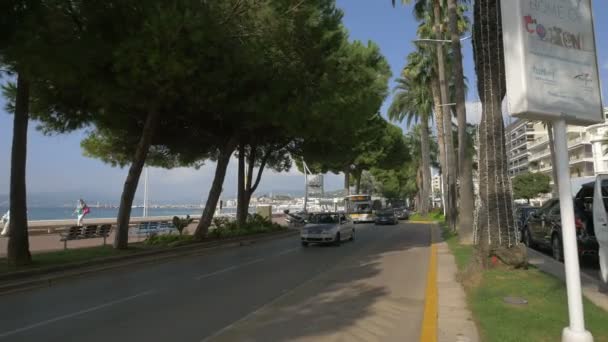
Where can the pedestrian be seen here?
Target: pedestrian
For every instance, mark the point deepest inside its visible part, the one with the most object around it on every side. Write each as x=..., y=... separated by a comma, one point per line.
x=5, y=220
x=81, y=211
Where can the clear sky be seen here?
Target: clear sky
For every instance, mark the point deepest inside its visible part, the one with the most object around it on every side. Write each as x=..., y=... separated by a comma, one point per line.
x=56, y=164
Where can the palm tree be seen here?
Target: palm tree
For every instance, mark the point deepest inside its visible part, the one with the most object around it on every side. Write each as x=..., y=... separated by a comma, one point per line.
x=496, y=226
x=433, y=18
x=413, y=102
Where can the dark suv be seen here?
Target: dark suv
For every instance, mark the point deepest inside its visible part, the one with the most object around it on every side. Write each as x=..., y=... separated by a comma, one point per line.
x=544, y=228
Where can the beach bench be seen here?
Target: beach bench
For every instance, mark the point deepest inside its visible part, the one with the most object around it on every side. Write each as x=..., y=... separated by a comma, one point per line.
x=85, y=232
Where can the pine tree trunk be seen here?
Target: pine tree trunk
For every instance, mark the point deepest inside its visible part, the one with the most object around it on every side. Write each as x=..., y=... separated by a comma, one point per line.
x=241, y=209
x=18, y=251
x=216, y=190
x=357, y=175
x=496, y=234
x=121, y=241
x=440, y=136
x=347, y=181
x=426, y=166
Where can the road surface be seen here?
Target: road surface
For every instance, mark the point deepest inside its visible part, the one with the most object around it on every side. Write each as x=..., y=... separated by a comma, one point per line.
x=368, y=290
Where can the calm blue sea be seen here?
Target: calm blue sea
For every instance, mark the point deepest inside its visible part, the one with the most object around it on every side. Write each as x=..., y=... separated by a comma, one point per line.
x=67, y=213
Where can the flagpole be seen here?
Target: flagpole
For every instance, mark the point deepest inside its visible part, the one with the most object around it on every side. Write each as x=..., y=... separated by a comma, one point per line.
x=145, y=213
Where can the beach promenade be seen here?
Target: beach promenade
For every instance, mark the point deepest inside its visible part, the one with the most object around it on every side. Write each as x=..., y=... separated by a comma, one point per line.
x=45, y=235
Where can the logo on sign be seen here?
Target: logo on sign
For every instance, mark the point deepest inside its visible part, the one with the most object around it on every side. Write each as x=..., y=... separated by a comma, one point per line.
x=554, y=35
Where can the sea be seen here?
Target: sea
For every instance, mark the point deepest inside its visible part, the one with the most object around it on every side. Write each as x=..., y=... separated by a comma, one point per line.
x=65, y=213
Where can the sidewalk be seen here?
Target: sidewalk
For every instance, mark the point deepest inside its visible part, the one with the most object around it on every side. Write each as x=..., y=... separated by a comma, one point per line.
x=593, y=289
x=455, y=321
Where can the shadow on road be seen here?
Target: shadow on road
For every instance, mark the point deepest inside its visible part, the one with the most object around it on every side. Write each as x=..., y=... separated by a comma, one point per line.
x=365, y=284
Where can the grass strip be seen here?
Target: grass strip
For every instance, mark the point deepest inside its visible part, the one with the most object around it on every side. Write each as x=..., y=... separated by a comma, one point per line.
x=542, y=319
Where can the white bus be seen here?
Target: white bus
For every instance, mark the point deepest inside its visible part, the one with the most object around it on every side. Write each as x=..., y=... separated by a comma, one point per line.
x=359, y=208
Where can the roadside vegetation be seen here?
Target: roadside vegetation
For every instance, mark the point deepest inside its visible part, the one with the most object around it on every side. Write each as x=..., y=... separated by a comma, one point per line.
x=542, y=319
x=435, y=215
x=222, y=228
x=72, y=256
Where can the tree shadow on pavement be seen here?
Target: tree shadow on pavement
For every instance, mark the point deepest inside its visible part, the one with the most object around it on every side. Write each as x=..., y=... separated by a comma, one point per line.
x=355, y=298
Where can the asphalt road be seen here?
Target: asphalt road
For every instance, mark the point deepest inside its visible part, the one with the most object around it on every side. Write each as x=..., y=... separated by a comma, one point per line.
x=369, y=289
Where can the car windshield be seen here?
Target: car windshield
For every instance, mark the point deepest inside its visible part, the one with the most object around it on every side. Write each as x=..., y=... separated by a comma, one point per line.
x=326, y=218
x=385, y=214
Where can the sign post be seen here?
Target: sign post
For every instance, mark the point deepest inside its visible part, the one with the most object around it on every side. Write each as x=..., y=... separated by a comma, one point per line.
x=576, y=331
x=551, y=73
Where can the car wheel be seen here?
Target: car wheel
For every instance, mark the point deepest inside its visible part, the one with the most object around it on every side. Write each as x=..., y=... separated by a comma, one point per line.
x=352, y=236
x=304, y=244
x=556, y=248
x=528, y=239
x=337, y=241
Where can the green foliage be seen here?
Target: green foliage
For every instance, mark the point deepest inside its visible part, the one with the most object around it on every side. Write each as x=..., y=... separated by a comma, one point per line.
x=225, y=227
x=180, y=224
x=72, y=256
x=169, y=240
x=435, y=215
x=462, y=253
x=531, y=185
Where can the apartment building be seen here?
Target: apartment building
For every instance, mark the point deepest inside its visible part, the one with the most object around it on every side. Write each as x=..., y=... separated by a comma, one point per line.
x=520, y=135
x=528, y=148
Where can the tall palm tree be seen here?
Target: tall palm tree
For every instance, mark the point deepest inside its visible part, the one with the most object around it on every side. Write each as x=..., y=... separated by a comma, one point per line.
x=413, y=103
x=496, y=226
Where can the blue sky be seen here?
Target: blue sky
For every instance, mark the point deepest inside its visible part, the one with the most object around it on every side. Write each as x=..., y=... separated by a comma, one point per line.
x=56, y=164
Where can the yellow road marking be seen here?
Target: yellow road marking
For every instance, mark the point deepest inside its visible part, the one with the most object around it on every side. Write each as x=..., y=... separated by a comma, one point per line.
x=422, y=222
x=429, y=321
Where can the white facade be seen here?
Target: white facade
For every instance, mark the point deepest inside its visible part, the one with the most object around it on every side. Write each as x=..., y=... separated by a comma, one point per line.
x=528, y=148
x=520, y=135
x=436, y=184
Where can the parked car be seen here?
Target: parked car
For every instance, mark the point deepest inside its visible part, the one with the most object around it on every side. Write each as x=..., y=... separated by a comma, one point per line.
x=543, y=229
x=386, y=217
x=521, y=218
x=327, y=228
x=402, y=213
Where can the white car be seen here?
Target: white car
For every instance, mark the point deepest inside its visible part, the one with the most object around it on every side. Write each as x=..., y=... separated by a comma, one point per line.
x=327, y=228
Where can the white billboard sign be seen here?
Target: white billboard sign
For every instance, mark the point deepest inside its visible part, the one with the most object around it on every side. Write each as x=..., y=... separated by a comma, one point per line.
x=550, y=60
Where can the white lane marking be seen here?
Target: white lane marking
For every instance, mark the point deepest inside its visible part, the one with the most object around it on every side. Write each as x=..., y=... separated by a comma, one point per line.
x=228, y=269
x=81, y=312
x=287, y=251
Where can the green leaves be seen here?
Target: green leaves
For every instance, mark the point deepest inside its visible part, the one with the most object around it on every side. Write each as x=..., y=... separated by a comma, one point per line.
x=531, y=185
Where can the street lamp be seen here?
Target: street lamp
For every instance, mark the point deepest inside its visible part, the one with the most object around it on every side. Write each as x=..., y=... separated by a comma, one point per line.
x=442, y=41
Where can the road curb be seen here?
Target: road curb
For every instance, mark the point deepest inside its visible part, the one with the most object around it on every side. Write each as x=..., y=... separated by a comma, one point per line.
x=10, y=283
x=431, y=303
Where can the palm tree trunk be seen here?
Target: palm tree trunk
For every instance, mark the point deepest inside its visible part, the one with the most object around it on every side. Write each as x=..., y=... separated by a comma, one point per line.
x=447, y=123
x=216, y=189
x=465, y=212
x=426, y=165
x=18, y=251
x=121, y=241
x=440, y=136
x=555, y=189
x=496, y=227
